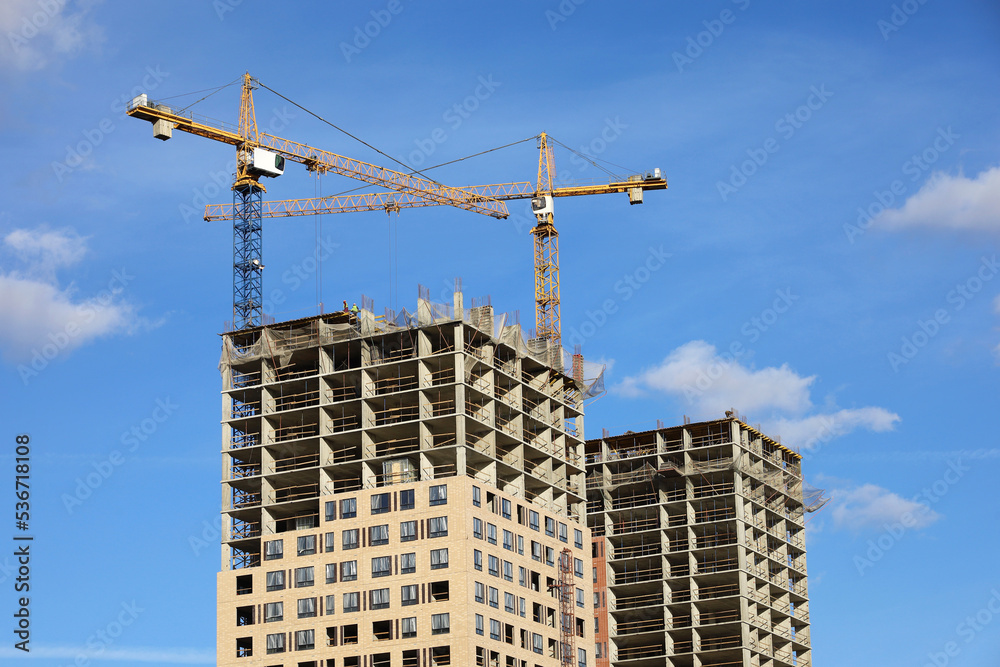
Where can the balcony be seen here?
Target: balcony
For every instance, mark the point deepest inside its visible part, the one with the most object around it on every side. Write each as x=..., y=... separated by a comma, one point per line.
x=294, y=432
x=638, y=576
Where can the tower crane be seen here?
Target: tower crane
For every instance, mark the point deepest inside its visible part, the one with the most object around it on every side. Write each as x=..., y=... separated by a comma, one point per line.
x=541, y=194
x=260, y=154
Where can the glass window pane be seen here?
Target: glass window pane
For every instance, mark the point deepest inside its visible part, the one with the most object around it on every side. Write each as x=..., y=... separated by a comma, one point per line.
x=380, y=503
x=306, y=545
x=439, y=495
x=439, y=559
x=408, y=563
x=348, y=508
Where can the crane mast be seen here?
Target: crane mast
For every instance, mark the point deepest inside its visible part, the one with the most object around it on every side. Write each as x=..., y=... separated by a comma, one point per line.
x=567, y=611
x=248, y=237
x=546, y=243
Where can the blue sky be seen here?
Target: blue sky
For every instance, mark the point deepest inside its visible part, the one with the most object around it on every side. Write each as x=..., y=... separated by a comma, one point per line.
x=831, y=226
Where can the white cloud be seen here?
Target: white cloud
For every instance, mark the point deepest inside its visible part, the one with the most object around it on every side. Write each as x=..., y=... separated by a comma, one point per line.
x=43, y=320
x=38, y=314
x=871, y=506
x=37, y=33
x=47, y=250
x=711, y=383
x=950, y=202
x=811, y=432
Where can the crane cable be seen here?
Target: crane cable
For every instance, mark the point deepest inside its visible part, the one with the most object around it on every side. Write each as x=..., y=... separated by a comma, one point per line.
x=214, y=91
x=591, y=160
x=358, y=139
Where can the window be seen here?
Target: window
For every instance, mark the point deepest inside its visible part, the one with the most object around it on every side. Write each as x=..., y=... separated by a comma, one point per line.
x=273, y=550
x=352, y=602
x=536, y=642
x=578, y=538
x=522, y=606
x=380, y=503
x=491, y=533
x=331, y=541
x=330, y=604
x=304, y=576
x=550, y=526
x=505, y=508
x=306, y=545
x=522, y=576
x=494, y=629
x=494, y=597
x=581, y=657
x=438, y=495
x=382, y=566
x=349, y=570
x=438, y=591
x=331, y=573
x=508, y=540
x=305, y=640
x=494, y=566
x=439, y=559
x=477, y=500
x=437, y=526
x=550, y=556
x=349, y=538
x=479, y=624
x=348, y=508
x=520, y=545
x=330, y=509
x=408, y=627
x=306, y=607
x=408, y=563
x=579, y=597
x=477, y=559
x=275, y=580
x=536, y=550
x=578, y=567
x=508, y=570
x=276, y=643
x=533, y=519
x=274, y=611
x=378, y=598
x=440, y=624
x=477, y=528
x=563, y=533
x=408, y=594
x=509, y=603
x=378, y=535
x=406, y=499
x=480, y=592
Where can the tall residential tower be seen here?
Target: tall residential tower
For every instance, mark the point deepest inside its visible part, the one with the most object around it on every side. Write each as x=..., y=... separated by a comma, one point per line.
x=699, y=548
x=402, y=491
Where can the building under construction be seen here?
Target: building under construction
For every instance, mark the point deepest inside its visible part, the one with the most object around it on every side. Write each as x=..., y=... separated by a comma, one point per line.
x=404, y=490
x=442, y=452
x=699, y=548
